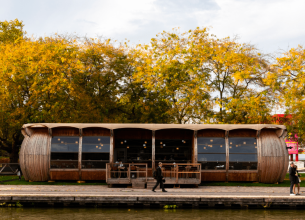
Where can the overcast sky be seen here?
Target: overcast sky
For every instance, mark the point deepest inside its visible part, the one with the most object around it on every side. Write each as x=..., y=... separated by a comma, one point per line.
x=271, y=25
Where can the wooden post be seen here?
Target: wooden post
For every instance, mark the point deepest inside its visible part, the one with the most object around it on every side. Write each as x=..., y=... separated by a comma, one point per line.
x=259, y=154
x=227, y=155
x=153, y=148
x=195, y=153
x=49, y=150
x=111, y=147
x=80, y=144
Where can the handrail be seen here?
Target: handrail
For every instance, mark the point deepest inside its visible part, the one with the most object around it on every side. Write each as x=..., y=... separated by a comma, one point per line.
x=12, y=171
x=176, y=171
x=110, y=166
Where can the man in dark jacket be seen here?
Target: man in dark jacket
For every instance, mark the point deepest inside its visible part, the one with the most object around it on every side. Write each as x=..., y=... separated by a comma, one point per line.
x=292, y=177
x=159, y=178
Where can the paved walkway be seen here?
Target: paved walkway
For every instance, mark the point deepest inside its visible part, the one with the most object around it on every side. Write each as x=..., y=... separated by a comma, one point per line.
x=47, y=190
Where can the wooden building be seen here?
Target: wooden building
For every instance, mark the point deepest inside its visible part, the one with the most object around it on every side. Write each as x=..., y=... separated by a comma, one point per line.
x=128, y=153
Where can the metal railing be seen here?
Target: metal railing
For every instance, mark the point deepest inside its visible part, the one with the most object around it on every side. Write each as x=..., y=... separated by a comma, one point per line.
x=129, y=171
x=9, y=168
x=181, y=170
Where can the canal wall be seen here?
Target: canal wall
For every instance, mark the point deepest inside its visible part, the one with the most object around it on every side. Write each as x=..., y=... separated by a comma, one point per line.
x=157, y=201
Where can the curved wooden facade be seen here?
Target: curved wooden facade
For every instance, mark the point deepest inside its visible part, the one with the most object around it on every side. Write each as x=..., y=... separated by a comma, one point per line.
x=37, y=165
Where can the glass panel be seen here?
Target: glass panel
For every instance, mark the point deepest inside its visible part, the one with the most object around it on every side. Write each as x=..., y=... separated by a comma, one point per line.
x=64, y=144
x=211, y=157
x=243, y=166
x=64, y=152
x=242, y=145
x=95, y=156
x=94, y=164
x=137, y=151
x=211, y=145
x=243, y=157
x=99, y=148
x=64, y=164
x=178, y=151
x=96, y=140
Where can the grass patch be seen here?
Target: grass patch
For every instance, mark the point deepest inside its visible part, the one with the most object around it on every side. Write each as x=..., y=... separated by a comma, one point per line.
x=23, y=182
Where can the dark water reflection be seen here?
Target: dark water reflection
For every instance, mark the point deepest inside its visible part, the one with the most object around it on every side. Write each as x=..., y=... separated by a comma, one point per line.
x=126, y=214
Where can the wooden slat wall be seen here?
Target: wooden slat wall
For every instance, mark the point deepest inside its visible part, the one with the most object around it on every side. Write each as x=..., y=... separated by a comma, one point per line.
x=272, y=157
x=96, y=132
x=64, y=175
x=285, y=159
x=133, y=133
x=242, y=133
x=211, y=133
x=238, y=176
x=65, y=131
x=178, y=134
x=35, y=155
x=213, y=176
x=93, y=175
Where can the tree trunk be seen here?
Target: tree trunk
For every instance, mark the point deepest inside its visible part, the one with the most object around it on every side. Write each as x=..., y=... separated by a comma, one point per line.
x=14, y=155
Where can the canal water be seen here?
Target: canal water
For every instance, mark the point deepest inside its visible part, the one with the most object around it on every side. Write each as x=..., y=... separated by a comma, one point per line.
x=146, y=214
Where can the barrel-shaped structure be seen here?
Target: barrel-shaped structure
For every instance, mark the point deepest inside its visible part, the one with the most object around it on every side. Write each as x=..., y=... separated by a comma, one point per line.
x=242, y=152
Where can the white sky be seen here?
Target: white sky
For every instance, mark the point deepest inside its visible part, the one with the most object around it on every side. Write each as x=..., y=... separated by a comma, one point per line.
x=272, y=25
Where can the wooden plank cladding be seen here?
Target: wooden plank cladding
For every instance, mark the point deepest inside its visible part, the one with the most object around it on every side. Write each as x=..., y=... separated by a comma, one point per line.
x=65, y=131
x=243, y=177
x=213, y=176
x=93, y=174
x=211, y=133
x=96, y=132
x=35, y=155
x=133, y=133
x=258, y=152
x=64, y=175
x=174, y=134
x=242, y=133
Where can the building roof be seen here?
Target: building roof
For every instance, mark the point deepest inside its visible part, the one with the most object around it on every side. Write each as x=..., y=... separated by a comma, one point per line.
x=195, y=127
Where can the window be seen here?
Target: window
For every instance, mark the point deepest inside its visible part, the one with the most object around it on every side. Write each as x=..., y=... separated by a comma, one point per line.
x=212, y=153
x=95, y=152
x=169, y=151
x=243, y=153
x=137, y=151
x=64, y=152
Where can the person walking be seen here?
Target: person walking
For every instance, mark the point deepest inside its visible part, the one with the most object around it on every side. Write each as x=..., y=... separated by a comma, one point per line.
x=292, y=177
x=297, y=181
x=159, y=178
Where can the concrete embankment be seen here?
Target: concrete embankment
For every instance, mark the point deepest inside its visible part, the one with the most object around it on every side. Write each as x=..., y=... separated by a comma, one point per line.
x=101, y=196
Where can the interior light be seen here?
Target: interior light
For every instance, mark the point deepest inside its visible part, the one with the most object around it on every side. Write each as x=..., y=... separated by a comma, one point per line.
x=145, y=142
x=125, y=141
x=255, y=147
x=254, y=142
x=230, y=147
x=161, y=146
x=237, y=145
x=127, y=146
x=99, y=139
x=96, y=146
x=102, y=145
x=230, y=142
x=211, y=140
x=58, y=139
x=144, y=146
x=220, y=145
x=122, y=142
x=76, y=142
x=182, y=141
x=100, y=148
x=62, y=142
x=177, y=148
x=164, y=145
x=161, y=143
x=204, y=148
x=244, y=142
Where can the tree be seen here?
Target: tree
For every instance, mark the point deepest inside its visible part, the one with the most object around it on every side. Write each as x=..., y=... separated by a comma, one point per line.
x=11, y=31
x=288, y=82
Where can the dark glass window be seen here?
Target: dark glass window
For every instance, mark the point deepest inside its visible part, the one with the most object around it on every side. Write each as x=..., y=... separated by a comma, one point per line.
x=169, y=151
x=133, y=151
x=64, y=152
x=211, y=152
x=95, y=152
x=243, y=153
